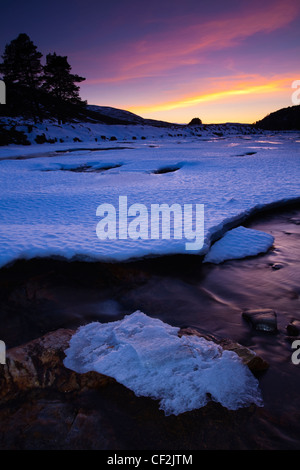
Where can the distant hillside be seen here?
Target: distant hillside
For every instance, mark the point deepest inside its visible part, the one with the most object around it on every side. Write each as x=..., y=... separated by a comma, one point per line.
x=74, y=113
x=116, y=113
x=126, y=116
x=284, y=119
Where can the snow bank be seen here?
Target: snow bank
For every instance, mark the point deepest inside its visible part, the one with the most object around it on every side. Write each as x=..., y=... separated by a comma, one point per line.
x=90, y=132
x=49, y=208
x=239, y=243
x=148, y=357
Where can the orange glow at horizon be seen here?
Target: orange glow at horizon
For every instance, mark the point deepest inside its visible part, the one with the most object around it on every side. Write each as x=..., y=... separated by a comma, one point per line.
x=170, y=60
x=274, y=86
x=240, y=61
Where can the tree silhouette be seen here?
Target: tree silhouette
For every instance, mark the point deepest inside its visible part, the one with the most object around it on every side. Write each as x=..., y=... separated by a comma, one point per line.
x=21, y=67
x=22, y=62
x=60, y=82
x=35, y=90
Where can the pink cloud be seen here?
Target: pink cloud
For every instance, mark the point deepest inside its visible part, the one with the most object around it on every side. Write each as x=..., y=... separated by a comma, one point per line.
x=190, y=45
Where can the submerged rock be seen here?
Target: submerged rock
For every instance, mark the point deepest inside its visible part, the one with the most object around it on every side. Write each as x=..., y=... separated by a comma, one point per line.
x=263, y=319
x=277, y=266
x=293, y=328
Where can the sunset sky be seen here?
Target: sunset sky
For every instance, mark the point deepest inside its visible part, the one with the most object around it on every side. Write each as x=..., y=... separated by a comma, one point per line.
x=222, y=61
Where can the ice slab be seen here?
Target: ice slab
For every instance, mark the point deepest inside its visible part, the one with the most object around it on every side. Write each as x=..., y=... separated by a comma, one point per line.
x=147, y=356
x=239, y=243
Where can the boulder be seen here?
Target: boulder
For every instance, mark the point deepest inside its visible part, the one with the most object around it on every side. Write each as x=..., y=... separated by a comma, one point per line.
x=248, y=357
x=263, y=319
x=38, y=364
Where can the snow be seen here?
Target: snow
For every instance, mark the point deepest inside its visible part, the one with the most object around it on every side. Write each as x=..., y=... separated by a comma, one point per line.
x=46, y=209
x=148, y=357
x=93, y=134
x=239, y=243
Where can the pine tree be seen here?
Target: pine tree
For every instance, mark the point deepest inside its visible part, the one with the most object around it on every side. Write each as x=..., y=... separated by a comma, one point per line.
x=60, y=82
x=22, y=62
x=22, y=70
x=37, y=90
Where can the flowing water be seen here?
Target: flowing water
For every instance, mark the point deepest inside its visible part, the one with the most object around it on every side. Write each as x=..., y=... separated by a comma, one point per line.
x=43, y=295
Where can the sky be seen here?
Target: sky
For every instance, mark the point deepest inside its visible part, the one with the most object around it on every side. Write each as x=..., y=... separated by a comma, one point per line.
x=221, y=61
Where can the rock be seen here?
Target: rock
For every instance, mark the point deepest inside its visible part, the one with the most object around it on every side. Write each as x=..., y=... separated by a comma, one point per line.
x=293, y=328
x=39, y=365
x=277, y=266
x=46, y=406
x=262, y=319
x=46, y=422
x=248, y=357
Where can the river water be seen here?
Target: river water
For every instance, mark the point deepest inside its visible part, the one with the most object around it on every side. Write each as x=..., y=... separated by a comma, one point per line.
x=43, y=295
